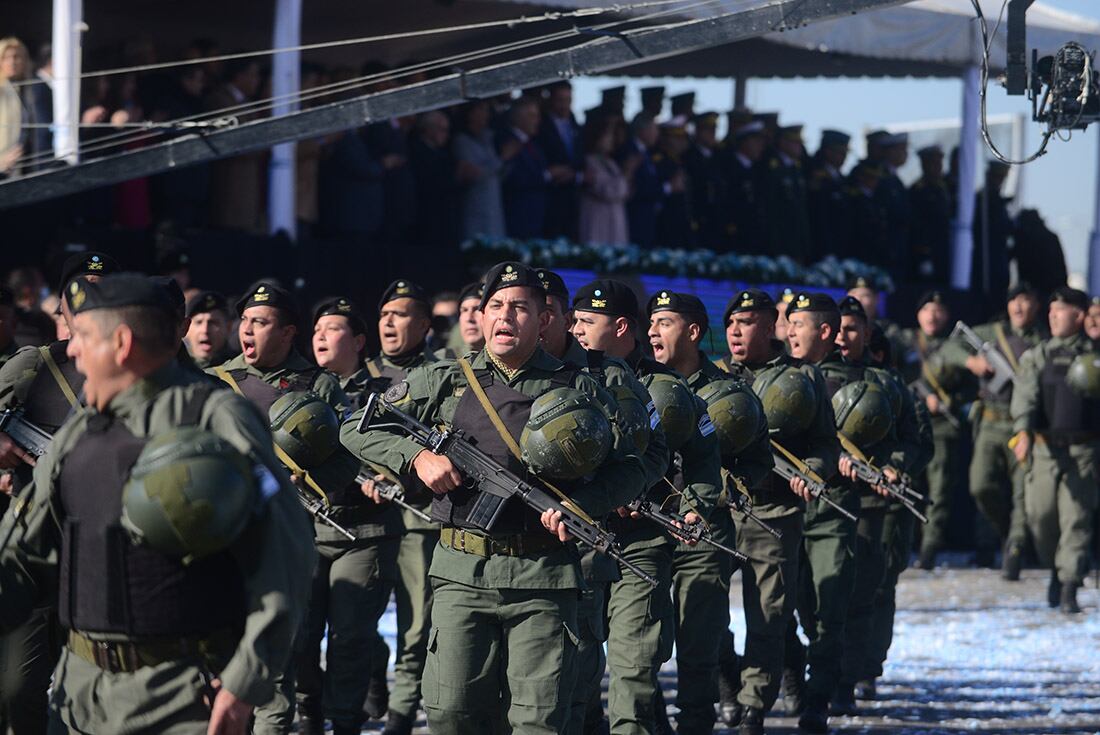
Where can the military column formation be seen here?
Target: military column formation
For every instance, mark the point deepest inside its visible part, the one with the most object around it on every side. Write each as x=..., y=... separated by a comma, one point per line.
x=572, y=475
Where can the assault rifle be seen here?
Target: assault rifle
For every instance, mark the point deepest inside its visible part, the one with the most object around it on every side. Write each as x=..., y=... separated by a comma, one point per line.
x=496, y=483
x=28, y=437
x=875, y=477
x=392, y=492
x=678, y=526
x=924, y=390
x=1002, y=369
x=742, y=503
x=789, y=467
x=317, y=508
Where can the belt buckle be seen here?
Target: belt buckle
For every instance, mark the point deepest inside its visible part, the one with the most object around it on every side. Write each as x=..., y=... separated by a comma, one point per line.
x=106, y=656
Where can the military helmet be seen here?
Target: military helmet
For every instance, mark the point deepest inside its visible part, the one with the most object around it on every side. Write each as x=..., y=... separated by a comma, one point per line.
x=632, y=416
x=567, y=436
x=305, y=427
x=736, y=413
x=892, y=385
x=675, y=404
x=862, y=410
x=789, y=399
x=189, y=495
x=1084, y=374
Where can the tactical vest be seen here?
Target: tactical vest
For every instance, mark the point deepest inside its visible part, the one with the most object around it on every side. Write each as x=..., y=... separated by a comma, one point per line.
x=382, y=376
x=1018, y=346
x=514, y=409
x=45, y=405
x=263, y=395
x=1064, y=409
x=108, y=584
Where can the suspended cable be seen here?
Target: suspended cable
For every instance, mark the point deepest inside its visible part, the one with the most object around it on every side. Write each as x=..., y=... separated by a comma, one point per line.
x=148, y=131
x=509, y=23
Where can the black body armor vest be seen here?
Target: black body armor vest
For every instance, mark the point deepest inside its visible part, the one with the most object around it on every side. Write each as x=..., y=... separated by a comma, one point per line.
x=108, y=584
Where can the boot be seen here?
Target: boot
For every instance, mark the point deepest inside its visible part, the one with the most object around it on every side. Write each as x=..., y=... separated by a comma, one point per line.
x=752, y=722
x=398, y=724
x=346, y=729
x=865, y=689
x=1012, y=562
x=927, y=560
x=660, y=714
x=729, y=683
x=310, y=721
x=1069, y=599
x=378, y=696
x=844, y=701
x=794, y=692
x=816, y=717
x=1054, y=590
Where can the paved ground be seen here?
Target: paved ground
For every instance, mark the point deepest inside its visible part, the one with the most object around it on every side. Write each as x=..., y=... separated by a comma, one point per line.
x=973, y=654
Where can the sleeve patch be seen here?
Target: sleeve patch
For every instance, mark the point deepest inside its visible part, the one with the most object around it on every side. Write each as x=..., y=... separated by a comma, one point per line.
x=396, y=392
x=654, y=417
x=706, y=428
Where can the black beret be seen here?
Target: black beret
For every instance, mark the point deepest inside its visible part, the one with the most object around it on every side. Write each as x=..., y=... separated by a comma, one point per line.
x=344, y=307
x=785, y=296
x=679, y=303
x=606, y=296
x=931, y=297
x=751, y=299
x=815, y=302
x=862, y=282
x=173, y=291
x=90, y=263
x=1071, y=296
x=506, y=275
x=403, y=288
x=553, y=283
x=173, y=260
x=851, y=306
x=471, y=291
x=117, y=291
x=205, y=302
x=7, y=298
x=1020, y=288
x=266, y=293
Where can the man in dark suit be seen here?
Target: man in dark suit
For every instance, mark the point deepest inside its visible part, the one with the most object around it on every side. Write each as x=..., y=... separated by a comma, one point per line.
x=645, y=192
x=744, y=224
x=527, y=175
x=559, y=137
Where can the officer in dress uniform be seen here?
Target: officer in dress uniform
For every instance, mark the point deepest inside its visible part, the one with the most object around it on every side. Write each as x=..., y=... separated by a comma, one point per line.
x=825, y=195
x=932, y=205
x=786, y=222
x=706, y=184
x=196, y=630
x=744, y=188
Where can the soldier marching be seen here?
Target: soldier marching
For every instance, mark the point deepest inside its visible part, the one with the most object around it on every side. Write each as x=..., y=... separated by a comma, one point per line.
x=650, y=461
